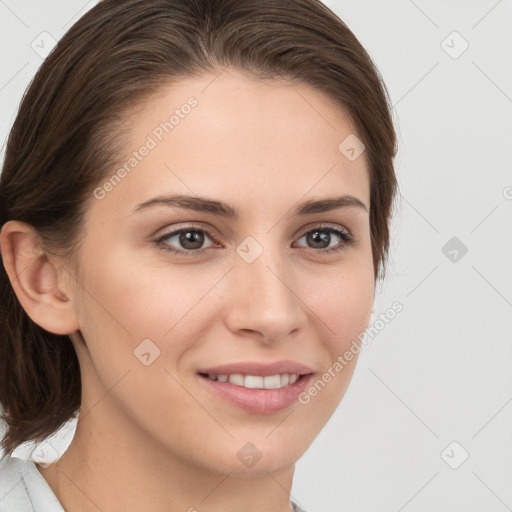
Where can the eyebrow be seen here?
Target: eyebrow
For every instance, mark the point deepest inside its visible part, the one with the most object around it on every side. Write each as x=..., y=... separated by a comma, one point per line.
x=205, y=205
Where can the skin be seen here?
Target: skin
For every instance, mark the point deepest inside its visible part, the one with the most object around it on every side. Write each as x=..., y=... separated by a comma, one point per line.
x=153, y=437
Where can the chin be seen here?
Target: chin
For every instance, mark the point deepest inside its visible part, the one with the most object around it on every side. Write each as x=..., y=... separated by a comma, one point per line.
x=246, y=459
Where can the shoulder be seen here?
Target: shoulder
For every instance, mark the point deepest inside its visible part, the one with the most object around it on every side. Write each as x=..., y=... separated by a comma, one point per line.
x=23, y=488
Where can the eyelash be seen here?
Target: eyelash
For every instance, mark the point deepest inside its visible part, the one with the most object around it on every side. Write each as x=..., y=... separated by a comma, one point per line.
x=346, y=237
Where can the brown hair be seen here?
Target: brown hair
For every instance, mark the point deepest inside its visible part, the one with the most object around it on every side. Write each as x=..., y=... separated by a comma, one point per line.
x=65, y=139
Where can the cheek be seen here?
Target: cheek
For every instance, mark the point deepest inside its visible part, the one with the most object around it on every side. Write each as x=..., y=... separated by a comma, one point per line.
x=342, y=307
x=343, y=300
x=124, y=291
x=126, y=300
x=125, y=315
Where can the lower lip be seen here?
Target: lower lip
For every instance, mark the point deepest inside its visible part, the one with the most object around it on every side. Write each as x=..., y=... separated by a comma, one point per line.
x=259, y=401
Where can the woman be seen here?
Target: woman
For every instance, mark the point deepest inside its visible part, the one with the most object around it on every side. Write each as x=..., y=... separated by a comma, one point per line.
x=195, y=202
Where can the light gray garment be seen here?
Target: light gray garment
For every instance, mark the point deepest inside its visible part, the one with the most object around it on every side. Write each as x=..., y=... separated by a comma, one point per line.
x=23, y=488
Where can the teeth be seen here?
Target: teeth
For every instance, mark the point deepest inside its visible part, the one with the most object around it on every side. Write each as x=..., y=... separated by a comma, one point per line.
x=251, y=381
x=256, y=381
x=237, y=379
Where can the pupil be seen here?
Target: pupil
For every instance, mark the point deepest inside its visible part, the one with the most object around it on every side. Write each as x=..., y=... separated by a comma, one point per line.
x=320, y=237
x=191, y=239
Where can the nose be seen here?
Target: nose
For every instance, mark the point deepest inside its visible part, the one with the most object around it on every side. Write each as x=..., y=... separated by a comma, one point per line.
x=265, y=299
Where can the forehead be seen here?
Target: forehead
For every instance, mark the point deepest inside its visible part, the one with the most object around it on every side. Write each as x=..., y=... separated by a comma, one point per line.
x=253, y=143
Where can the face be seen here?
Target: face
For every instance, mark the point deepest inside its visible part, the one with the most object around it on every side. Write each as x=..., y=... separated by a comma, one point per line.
x=241, y=272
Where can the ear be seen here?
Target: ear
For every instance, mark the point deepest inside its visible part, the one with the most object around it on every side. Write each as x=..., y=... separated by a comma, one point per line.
x=40, y=284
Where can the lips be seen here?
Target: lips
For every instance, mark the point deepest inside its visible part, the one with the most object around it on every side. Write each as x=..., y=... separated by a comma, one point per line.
x=260, y=369
x=256, y=401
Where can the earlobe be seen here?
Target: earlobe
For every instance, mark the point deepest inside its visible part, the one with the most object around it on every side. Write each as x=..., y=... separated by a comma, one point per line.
x=36, y=279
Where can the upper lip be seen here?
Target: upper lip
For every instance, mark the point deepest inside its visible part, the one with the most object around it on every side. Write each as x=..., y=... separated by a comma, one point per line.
x=255, y=368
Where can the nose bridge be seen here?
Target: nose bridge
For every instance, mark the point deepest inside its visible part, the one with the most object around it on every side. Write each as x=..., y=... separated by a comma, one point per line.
x=265, y=300
x=262, y=262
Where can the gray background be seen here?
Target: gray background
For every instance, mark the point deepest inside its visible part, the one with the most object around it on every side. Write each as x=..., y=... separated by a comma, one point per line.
x=434, y=386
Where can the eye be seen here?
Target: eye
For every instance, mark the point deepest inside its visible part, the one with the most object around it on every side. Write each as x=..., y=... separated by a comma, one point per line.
x=190, y=238
x=321, y=236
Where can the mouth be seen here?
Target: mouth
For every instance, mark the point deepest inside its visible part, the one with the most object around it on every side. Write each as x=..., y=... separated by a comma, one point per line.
x=256, y=388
